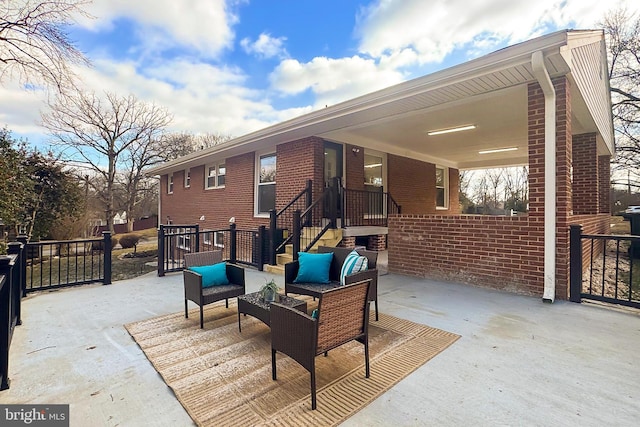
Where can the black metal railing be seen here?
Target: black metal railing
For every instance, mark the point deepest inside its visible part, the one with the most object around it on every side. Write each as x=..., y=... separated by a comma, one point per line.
x=281, y=222
x=370, y=207
x=11, y=292
x=63, y=263
x=303, y=222
x=604, y=268
x=237, y=246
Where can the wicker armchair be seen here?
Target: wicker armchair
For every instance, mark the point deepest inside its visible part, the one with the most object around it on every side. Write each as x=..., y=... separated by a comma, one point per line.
x=193, y=290
x=343, y=316
x=339, y=256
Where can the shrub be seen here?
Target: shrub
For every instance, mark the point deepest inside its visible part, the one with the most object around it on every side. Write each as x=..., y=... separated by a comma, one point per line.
x=99, y=246
x=129, y=241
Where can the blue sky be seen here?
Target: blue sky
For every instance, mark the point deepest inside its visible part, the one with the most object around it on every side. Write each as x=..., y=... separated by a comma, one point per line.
x=236, y=66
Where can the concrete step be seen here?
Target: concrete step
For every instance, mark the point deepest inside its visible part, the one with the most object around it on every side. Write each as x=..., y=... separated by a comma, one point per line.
x=282, y=259
x=274, y=269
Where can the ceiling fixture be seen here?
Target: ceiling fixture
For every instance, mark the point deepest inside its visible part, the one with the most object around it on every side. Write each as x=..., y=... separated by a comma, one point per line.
x=497, y=150
x=373, y=165
x=449, y=130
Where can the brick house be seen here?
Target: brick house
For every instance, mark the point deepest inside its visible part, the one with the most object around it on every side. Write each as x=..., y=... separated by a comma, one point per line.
x=543, y=103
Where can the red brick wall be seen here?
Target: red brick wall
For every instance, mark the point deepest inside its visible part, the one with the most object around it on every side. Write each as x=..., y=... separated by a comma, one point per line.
x=604, y=184
x=297, y=162
x=592, y=224
x=493, y=251
x=236, y=199
x=412, y=184
x=354, y=168
x=585, y=174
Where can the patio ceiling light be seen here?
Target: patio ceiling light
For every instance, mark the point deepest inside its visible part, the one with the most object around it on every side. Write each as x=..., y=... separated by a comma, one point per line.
x=373, y=165
x=498, y=150
x=449, y=130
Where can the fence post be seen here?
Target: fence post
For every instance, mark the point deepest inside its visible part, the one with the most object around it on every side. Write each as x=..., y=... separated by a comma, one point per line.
x=273, y=223
x=197, y=238
x=575, y=263
x=18, y=279
x=23, y=264
x=233, y=244
x=107, y=257
x=309, y=202
x=296, y=234
x=6, y=318
x=260, y=242
x=333, y=202
x=161, y=250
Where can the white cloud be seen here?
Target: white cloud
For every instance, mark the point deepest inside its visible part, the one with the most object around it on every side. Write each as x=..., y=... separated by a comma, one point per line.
x=265, y=46
x=333, y=80
x=435, y=29
x=202, y=98
x=206, y=26
x=20, y=108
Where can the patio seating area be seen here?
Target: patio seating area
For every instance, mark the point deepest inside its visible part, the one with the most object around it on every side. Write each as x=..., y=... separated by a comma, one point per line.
x=518, y=361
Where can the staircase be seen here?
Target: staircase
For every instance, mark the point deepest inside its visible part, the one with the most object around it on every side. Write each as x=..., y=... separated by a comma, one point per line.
x=332, y=237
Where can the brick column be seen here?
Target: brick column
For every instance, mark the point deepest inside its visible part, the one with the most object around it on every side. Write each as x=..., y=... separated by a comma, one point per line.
x=348, y=242
x=585, y=174
x=536, y=140
x=564, y=195
x=454, y=191
x=604, y=184
x=377, y=242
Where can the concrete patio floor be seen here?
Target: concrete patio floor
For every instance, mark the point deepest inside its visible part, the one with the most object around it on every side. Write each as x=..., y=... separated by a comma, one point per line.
x=519, y=361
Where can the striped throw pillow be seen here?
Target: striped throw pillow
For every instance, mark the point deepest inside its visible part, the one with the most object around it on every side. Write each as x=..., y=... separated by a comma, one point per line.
x=354, y=263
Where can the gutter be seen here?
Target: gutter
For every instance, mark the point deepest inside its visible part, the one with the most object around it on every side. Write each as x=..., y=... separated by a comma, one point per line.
x=541, y=74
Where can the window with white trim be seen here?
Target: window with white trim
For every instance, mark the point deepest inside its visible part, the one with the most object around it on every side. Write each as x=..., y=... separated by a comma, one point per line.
x=266, y=184
x=215, y=176
x=170, y=184
x=215, y=238
x=184, y=238
x=442, y=198
x=187, y=178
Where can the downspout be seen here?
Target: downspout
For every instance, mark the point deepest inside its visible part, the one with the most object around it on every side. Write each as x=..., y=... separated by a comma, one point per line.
x=541, y=74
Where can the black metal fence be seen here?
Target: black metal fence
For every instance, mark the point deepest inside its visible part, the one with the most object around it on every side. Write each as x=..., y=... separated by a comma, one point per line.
x=237, y=246
x=370, y=207
x=63, y=263
x=11, y=273
x=604, y=268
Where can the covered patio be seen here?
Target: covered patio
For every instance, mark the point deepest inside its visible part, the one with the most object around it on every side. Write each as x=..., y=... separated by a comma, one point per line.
x=518, y=361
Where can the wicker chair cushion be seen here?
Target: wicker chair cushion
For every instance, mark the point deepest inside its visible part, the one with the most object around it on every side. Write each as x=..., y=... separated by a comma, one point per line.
x=313, y=268
x=353, y=263
x=212, y=275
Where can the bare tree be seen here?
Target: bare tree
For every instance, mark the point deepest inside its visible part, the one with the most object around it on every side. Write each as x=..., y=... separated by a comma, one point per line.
x=104, y=132
x=34, y=44
x=138, y=157
x=181, y=144
x=622, y=30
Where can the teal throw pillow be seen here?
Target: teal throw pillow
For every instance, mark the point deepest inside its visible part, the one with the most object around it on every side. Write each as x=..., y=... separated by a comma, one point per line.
x=353, y=263
x=212, y=275
x=313, y=268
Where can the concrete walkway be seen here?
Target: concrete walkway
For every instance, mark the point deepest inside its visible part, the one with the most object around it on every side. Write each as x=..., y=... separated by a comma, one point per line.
x=519, y=361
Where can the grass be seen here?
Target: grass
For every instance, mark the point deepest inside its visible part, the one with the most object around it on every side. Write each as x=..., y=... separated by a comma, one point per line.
x=619, y=225
x=124, y=267
x=125, y=264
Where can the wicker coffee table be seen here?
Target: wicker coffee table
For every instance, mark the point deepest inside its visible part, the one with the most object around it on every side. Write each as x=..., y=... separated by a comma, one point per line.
x=254, y=305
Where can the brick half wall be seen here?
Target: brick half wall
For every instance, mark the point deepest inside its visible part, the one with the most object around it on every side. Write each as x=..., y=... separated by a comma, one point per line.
x=497, y=252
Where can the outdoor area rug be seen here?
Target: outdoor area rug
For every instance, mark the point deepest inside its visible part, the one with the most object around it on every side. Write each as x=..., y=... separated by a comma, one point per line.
x=223, y=377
